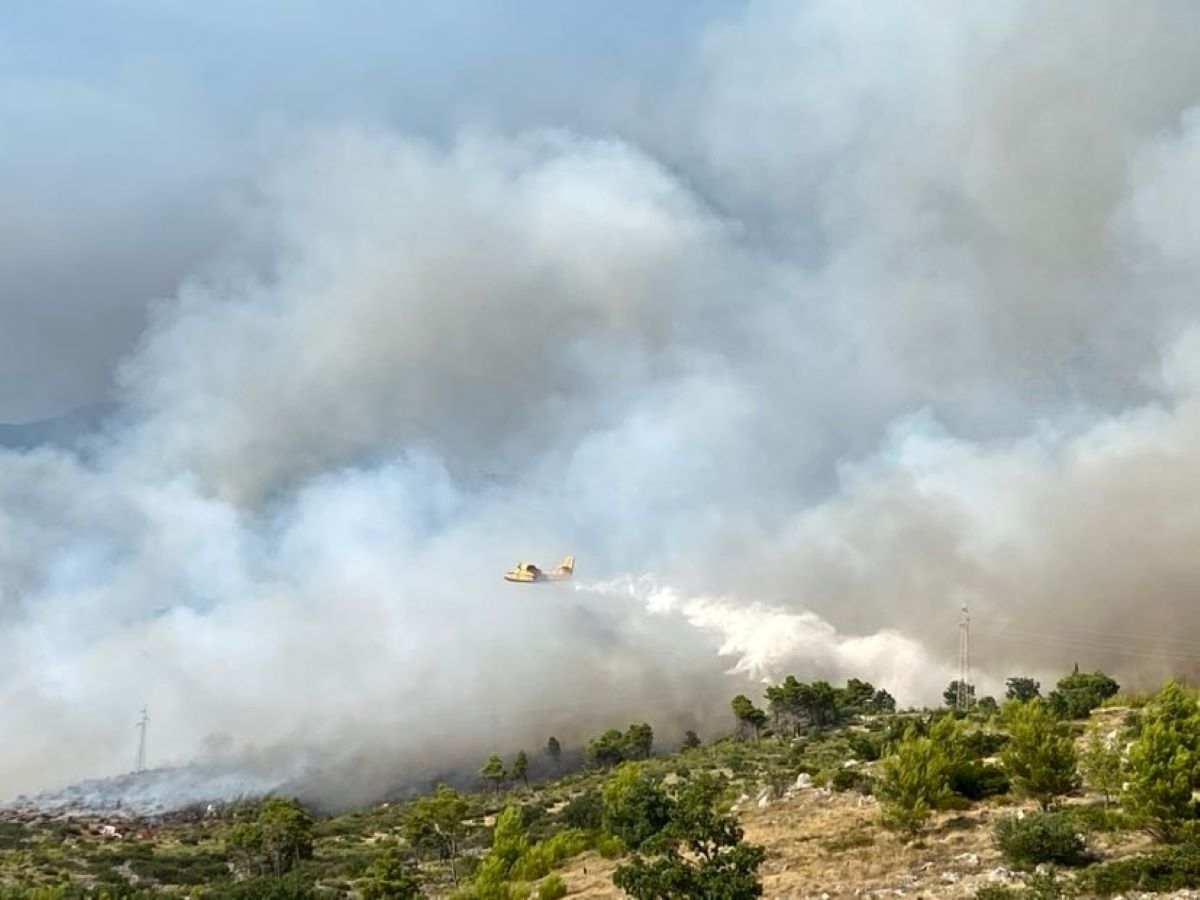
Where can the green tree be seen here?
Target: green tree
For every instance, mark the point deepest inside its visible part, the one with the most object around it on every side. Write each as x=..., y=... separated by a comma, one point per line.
x=639, y=739
x=1021, y=689
x=634, y=806
x=493, y=771
x=1100, y=763
x=520, y=768
x=950, y=695
x=691, y=740
x=391, y=877
x=435, y=822
x=509, y=845
x=703, y=856
x=987, y=706
x=913, y=782
x=786, y=700
x=1164, y=764
x=748, y=715
x=856, y=696
x=1076, y=695
x=820, y=703
x=278, y=838
x=1040, y=754
x=882, y=702
x=606, y=750
x=554, y=751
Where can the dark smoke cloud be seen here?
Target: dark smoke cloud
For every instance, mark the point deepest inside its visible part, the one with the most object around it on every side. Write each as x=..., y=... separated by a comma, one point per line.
x=864, y=319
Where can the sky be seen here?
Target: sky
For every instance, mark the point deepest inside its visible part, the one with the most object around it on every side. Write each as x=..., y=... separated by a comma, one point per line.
x=132, y=135
x=802, y=325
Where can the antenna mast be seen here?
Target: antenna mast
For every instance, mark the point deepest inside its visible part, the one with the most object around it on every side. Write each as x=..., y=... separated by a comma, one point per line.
x=141, y=754
x=962, y=699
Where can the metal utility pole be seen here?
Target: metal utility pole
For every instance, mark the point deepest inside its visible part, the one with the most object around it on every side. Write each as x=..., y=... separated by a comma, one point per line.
x=962, y=699
x=141, y=754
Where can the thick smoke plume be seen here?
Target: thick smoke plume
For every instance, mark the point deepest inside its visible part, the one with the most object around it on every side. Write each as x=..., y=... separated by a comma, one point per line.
x=863, y=321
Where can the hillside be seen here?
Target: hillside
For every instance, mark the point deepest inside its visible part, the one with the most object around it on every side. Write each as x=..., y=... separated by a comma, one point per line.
x=810, y=795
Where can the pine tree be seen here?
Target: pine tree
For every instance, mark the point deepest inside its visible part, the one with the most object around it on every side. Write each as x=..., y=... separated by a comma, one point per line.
x=748, y=715
x=1100, y=763
x=520, y=768
x=914, y=781
x=1164, y=764
x=1040, y=754
x=493, y=771
x=554, y=750
x=1021, y=689
x=435, y=822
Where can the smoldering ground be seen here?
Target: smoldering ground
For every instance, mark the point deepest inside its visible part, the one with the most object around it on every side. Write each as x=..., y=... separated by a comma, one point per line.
x=875, y=318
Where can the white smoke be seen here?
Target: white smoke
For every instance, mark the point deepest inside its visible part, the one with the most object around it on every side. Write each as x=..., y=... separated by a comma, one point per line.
x=884, y=318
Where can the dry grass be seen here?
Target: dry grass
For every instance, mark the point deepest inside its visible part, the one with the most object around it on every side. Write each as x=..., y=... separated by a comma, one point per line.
x=804, y=835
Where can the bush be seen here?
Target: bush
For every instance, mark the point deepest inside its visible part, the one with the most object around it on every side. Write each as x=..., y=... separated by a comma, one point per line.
x=851, y=780
x=864, y=746
x=634, y=806
x=552, y=888
x=977, y=781
x=1167, y=870
x=999, y=892
x=266, y=887
x=609, y=846
x=1098, y=818
x=1040, y=838
x=979, y=744
x=584, y=811
x=539, y=859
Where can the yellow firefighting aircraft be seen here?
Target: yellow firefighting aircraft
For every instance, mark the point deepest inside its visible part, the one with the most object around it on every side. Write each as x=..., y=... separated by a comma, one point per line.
x=528, y=573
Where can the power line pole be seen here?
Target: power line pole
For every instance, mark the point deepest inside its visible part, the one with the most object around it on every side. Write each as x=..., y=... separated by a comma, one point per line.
x=141, y=754
x=962, y=698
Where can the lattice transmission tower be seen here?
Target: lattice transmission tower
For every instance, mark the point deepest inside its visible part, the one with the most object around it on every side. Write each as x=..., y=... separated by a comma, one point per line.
x=140, y=766
x=963, y=698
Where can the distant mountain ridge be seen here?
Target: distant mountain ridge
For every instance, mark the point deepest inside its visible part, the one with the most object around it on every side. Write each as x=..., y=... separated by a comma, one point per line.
x=63, y=431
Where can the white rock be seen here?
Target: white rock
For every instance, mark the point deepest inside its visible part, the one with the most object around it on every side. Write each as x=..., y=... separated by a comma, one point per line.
x=803, y=780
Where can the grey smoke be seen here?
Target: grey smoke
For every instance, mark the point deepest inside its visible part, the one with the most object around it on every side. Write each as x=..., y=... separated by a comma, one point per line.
x=871, y=313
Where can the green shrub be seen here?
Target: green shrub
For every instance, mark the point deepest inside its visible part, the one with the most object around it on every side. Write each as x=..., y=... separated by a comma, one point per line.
x=851, y=780
x=866, y=747
x=1098, y=818
x=977, y=781
x=999, y=892
x=609, y=846
x=634, y=805
x=539, y=859
x=1172, y=869
x=584, y=811
x=553, y=888
x=1040, y=838
x=981, y=744
x=288, y=887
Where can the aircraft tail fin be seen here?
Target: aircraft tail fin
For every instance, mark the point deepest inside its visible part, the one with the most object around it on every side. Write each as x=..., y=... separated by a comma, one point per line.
x=567, y=566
